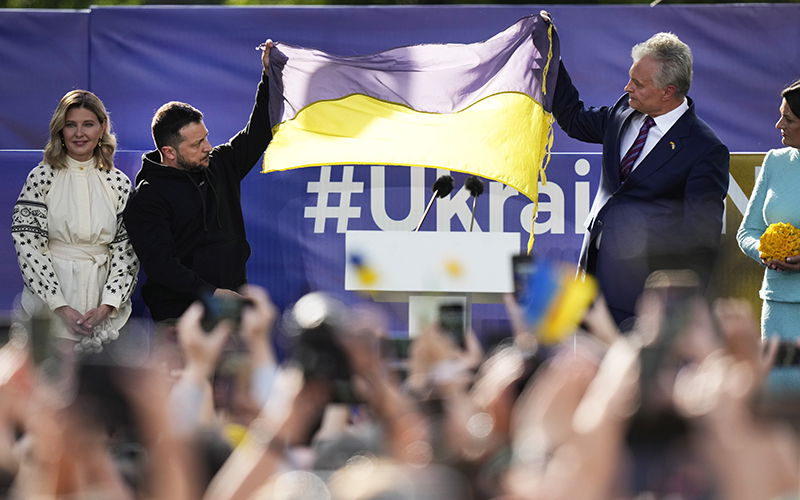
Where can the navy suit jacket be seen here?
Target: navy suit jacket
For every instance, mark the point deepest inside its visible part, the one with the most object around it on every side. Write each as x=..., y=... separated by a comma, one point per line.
x=669, y=210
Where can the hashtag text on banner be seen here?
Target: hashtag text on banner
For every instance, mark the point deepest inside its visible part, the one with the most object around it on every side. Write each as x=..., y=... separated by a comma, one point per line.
x=323, y=210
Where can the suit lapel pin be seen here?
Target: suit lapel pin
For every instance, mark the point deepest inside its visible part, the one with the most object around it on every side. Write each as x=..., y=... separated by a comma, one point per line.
x=672, y=144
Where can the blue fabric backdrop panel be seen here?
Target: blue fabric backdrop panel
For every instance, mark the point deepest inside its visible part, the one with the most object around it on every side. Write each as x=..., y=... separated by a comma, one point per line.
x=15, y=165
x=43, y=55
x=744, y=55
x=137, y=58
x=144, y=57
x=296, y=220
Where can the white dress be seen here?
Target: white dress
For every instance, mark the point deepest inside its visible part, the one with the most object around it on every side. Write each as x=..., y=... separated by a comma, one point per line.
x=72, y=246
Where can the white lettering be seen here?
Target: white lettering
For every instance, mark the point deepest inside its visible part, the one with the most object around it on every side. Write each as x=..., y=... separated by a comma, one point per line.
x=498, y=194
x=555, y=207
x=378, y=199
x=344, y=189
x=582, y=196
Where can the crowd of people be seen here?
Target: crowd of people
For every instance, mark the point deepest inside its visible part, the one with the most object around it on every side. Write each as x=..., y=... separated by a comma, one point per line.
x=604, y=415
x=657, y=393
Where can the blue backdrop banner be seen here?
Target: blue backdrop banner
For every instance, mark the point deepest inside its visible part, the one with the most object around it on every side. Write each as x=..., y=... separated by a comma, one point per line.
x=136, y=59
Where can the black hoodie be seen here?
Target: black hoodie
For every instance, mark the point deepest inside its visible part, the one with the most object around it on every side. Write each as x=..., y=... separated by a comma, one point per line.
x=187, y=227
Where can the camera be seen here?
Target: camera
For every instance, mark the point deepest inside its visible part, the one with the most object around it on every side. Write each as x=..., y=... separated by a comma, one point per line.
x=315, y=322
x=219, y=308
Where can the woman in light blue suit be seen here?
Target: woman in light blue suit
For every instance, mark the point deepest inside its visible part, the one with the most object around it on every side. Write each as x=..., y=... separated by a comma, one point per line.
x=775, y=199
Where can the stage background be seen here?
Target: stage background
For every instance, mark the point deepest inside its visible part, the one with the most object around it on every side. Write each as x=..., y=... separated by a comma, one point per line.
x=137, y=58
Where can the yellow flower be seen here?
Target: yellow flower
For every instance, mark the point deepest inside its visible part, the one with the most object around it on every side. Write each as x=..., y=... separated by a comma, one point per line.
x=779, y=241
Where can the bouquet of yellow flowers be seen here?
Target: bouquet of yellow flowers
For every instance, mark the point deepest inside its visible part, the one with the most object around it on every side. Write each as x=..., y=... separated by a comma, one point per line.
x=779, y=241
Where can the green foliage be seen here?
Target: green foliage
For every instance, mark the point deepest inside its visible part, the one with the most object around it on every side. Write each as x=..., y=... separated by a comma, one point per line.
x=85, y=4
x=276, y=2
x=62, y=4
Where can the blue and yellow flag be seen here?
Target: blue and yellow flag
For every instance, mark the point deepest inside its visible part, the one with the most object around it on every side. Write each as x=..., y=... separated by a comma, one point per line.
x=483, y=108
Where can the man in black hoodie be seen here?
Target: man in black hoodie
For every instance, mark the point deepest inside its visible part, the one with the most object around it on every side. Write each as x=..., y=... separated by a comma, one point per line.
x=185, y=216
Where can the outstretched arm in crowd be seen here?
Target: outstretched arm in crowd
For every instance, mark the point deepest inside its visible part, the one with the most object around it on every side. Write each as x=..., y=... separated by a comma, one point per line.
x=569, y=425
x=192, y=396
x=753, y=458
x=15, y=387
x=287, y=419
x=258, y=322
x=405, y=427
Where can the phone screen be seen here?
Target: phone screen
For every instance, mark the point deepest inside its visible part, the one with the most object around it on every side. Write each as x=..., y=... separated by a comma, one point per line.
x=522, y=267
x=452, y=320
x=396, y=348
x=395, y=352
x=779, y=396
x=788, y=354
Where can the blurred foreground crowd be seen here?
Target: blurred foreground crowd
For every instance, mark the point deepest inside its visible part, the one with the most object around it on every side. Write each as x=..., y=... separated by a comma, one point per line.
x=677, y=409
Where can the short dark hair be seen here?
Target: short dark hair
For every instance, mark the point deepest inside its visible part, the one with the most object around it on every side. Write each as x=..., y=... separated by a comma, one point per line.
x=170, y=119
x=792, y=96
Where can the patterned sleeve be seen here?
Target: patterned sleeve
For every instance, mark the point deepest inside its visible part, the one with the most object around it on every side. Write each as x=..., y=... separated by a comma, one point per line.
x=124, y=268
x=29, y=231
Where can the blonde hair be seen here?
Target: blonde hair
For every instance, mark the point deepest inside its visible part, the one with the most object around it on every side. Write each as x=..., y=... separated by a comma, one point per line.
x=55, y=153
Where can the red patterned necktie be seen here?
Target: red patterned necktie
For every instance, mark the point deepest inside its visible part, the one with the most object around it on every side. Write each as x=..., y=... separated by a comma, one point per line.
x=626, y=165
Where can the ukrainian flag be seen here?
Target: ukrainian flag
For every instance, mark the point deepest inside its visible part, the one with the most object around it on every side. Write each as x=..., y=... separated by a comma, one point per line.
x=482, y=108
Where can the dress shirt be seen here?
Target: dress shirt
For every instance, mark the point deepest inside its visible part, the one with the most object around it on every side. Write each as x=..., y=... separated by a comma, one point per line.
x=663, y=124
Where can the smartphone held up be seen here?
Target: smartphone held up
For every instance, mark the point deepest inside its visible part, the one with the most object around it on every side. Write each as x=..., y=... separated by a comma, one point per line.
x=217, y=308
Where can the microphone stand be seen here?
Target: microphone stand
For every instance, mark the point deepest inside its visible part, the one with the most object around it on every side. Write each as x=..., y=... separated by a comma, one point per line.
x=441, y=188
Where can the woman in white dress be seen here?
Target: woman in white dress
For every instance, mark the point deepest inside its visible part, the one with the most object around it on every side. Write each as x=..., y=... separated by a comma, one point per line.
x=72, y=247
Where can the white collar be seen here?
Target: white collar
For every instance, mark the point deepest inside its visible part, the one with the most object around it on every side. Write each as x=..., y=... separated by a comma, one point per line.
x=74, y=164
x=667, y=120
